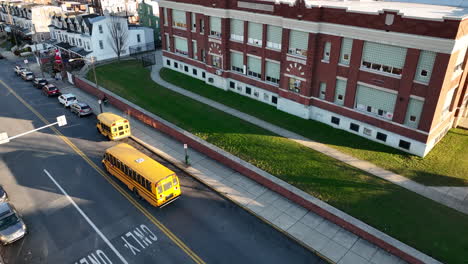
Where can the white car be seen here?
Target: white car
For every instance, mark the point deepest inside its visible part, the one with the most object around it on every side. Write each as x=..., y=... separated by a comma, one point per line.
x=67, y=99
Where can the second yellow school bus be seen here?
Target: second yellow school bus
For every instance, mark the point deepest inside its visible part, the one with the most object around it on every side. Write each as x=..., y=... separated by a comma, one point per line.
x=113, y=126
x=146, y=177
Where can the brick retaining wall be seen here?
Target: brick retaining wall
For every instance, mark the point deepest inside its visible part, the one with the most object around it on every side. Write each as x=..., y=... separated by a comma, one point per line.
x=181, y=137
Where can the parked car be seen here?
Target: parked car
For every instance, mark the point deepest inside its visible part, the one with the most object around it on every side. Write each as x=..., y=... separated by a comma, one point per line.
x=81, y=109
x=18, y=69
x=12, y=226
x=1, y=57
x=50, y=89
x=39, y=82
x=67, y=99
x=3, y=195
x=27, y=75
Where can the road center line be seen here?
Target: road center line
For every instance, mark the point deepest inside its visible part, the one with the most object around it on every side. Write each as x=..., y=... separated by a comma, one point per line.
x=87, y=219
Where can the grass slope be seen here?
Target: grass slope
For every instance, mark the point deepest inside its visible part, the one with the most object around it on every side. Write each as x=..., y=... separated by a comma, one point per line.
x=445, y=165
x=432, y=228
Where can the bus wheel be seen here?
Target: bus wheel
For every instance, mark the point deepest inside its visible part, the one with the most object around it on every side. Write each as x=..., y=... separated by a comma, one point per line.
x=137, y=195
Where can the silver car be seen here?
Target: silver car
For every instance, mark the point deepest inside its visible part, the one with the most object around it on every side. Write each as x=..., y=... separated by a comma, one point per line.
x=12, y=226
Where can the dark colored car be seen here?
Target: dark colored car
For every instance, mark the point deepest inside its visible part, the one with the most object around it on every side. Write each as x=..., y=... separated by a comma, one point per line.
x=12, y=226
x=39, y=82
x=3, y=195
x=50, y=90
x=81, y=109
x=1, y=57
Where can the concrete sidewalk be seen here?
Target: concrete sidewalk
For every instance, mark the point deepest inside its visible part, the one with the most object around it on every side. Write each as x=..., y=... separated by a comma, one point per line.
x=454, y=197
x=308, y=228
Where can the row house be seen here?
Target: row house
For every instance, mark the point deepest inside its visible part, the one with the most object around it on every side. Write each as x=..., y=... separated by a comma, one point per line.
x=391, y=72
x=29, y=20
x=89, y=35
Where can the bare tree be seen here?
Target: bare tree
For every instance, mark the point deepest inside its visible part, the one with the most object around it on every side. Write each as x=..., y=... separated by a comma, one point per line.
x=118, y=35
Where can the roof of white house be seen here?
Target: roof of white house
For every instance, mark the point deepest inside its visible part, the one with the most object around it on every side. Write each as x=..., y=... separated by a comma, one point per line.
x=426, y=9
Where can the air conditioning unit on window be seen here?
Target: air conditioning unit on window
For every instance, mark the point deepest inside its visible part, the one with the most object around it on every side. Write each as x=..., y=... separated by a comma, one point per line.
x=219, y=72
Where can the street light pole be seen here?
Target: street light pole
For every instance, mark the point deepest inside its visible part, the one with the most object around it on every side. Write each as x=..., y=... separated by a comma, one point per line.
x=92, y=60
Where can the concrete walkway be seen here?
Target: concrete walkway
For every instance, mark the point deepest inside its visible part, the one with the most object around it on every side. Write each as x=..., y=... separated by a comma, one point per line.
x=308, y=228
x=454, y=197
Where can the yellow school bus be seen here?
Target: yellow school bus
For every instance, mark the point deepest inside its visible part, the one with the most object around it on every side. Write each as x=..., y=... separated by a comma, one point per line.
x=147, y=178
x=113, y=126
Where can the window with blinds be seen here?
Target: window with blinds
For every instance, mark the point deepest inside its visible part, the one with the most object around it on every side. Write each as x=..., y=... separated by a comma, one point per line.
x=179, y=19
x=255, y=33
x=274, y=37
x=215, y=27
x=383, y=58
x=254, y=67
x=425, y=65
x=237, y=62
x=165, y=16
x=326, y=51
x=448, y=102
x=195, y=49
x=194, y=22
x=376, y=102
x=323, y=90
x=237, y=30
x=168, y=42
x=298, y=43
x=181, y=46
x=272, y=72
x=340, y=91
x=413, y=113
x=346, y=47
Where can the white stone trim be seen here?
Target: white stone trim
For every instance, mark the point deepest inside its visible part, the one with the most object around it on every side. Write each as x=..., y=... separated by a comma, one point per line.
x=418, y=98
x=294, y=76
x=236, y=51
x=341, y=78
x=378, y=87
x=270, y=60
x=254, y=56
x=440, y=45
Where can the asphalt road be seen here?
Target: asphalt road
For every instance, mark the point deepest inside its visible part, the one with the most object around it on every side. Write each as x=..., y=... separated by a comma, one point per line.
x=107, y=226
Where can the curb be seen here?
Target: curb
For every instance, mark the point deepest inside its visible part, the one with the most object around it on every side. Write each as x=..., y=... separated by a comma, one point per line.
x=184, y=168
x=292, y=193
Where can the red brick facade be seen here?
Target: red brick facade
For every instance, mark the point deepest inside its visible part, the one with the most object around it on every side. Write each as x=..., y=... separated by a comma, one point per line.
x=316, y=71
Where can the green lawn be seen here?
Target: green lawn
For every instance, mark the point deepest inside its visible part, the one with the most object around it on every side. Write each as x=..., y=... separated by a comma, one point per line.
x=445, y=165
x=432, y=228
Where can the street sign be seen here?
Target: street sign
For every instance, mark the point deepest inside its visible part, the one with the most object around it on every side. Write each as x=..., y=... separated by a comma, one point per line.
x=26, y=61
x=4, y=138
x=185, y=146
x=61, y=120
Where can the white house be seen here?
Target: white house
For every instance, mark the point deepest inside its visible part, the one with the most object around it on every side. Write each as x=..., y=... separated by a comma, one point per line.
x=89, y=36
x=29, y=19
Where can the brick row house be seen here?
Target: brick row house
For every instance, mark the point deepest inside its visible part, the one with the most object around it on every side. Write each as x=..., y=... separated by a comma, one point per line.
x=391, y=72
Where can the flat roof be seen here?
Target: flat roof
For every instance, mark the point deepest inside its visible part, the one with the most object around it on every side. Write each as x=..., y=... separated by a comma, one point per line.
x=139, y=162
x=406, y=9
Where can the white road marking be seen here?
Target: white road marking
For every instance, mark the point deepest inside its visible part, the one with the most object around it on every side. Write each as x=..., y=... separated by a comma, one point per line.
x=87, y=219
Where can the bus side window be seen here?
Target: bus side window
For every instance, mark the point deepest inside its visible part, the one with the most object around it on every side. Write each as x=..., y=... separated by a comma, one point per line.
x=125, y=169
x=130, y=172
x=133, y=175
x=148, y=185
x=113, y=160
x=119, y=164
